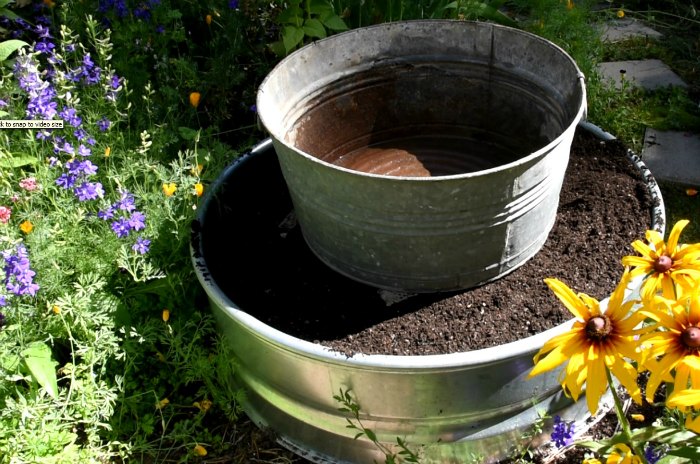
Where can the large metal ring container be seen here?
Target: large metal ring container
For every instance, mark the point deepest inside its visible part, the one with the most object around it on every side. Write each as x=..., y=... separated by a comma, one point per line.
x=488, y=111
x=454, y=407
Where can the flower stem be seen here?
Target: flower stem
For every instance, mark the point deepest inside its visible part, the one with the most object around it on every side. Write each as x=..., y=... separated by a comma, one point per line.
x=622, y=419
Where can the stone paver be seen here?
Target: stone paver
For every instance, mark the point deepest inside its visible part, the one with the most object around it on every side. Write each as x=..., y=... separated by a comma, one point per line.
x=649, y=74
x=623, y=29
x=672, y=156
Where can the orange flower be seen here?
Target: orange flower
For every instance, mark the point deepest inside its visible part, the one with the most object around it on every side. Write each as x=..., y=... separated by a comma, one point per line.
x=208, y=20
x=26, y=227
x=198, y=189
x=691, y=192
x=169, y=189
x=50, y=3
x=194, y=99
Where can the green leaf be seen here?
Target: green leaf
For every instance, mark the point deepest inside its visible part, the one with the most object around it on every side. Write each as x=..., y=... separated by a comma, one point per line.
x=333, y=22
x=10, y=46
x=291, y=37
x=17, y=161
x=686, y=452
x=188, y=134
x=292, y=15
x=9, y=14
x=370, y=434
x=320, y=7
x=314, y=28
x=37, y=358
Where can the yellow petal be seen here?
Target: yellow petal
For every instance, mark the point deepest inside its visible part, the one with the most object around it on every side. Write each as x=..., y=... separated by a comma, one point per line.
x=675, y=234
x=684, y=398
x=597, y=381
x=572, y=302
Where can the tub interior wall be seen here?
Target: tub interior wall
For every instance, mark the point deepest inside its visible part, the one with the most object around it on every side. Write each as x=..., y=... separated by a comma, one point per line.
x=453, y=118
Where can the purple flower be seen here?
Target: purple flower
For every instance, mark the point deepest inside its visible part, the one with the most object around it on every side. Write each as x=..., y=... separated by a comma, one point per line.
x=121, y=227
x=137, y=221
x=114, y=82
x=654, y=454
x=44, y=47
x=106, y=214
x=84, y=151
x=126, y=202
x=142, y=245
x=89, y=191
x=70, y=115
x=19, y=278
x=80, y=134
x=160, y=29
x=103, y=124
x=562, y=432
x=66, y=181
x=43, y=32
x=233, y=4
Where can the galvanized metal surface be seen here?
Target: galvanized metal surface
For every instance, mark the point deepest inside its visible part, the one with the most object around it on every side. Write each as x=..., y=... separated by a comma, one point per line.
x=488, y=111
x=458, y=405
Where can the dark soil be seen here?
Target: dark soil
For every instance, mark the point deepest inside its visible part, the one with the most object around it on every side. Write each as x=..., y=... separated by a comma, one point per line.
x=259, y=257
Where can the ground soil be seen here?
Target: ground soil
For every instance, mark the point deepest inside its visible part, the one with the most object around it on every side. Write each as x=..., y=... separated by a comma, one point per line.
x=604, y=206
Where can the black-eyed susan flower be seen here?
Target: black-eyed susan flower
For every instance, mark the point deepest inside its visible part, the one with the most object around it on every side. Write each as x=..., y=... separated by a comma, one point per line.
x=664, y=263
x=598, y=341
x=675, y=347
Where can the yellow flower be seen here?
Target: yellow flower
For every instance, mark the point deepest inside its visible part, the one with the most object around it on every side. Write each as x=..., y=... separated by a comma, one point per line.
x=622, y=454
x=197, y=170
x=620, y=14
x=162, y=403
x=637, y=417
x=570, y=5
x=107, y=152
x=591, y=461
x=26, y=227
x=56, y=309
x=598, y=341
x=691, y=192
x=676, y=346
x=199, y=450
x=198, y=189
x=664, y=263
x=203, y=406
x=194, y=99
x=166, y=315
x=208, y=19
x=169, y=189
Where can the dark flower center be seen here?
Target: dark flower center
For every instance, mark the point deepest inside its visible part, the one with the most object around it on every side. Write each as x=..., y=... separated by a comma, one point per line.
x=691, y=337
x=662, y=264
x=598, y=327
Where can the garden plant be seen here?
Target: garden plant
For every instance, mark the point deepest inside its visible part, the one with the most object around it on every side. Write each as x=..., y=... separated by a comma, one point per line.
x=108, y=351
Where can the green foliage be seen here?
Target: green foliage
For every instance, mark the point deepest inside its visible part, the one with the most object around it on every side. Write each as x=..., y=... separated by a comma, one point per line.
x=304, y=20
x=349, y=405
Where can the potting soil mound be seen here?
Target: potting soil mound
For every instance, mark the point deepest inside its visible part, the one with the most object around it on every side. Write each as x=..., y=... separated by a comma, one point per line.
x=259, y=258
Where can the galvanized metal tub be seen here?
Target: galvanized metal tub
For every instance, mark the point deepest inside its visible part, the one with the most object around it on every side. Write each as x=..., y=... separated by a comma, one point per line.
x=487, y=110
x=453, y=407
